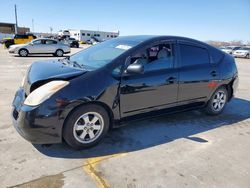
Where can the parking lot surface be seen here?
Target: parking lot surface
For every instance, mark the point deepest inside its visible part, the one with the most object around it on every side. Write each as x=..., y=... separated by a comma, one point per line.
x=187, y=149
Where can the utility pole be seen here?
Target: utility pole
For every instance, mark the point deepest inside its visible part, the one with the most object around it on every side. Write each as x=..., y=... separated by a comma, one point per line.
x=16, y=28
x=51, y=29
x=33, y=30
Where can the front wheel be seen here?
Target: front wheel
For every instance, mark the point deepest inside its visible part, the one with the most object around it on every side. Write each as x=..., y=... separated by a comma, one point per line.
x=86, y=126
x=217, y=102
x=23, y=53
x=247, y=56
x=59, y=53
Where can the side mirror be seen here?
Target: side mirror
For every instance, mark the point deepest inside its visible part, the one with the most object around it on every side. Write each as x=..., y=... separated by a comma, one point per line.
x=135, y=69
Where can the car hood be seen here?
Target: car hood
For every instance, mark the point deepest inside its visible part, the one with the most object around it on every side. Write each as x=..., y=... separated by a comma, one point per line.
x=41, y=72
x=18, y=45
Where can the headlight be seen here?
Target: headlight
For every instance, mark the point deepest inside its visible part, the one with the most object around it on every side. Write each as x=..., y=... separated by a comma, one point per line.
x=23, y=80
x=44, y=92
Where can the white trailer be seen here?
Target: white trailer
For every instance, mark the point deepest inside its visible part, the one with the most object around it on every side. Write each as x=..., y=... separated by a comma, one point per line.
x=85, y=35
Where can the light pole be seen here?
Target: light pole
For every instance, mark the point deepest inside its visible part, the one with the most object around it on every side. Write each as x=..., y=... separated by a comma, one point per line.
x=16, y=26
x=33, y=30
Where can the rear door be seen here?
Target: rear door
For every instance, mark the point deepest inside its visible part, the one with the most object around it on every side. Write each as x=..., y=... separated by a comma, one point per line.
x=197, y=75
x=50, y=46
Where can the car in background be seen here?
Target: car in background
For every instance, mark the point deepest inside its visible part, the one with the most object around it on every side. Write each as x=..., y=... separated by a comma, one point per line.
x=79, y=98
x=73, y=43
x=18, y=39
x=242, y=52
x=230, y=49
x=93, y=41
x=40, y=46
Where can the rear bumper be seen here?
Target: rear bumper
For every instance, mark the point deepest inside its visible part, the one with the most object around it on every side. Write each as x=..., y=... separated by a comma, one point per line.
x=239, y=55
x=35, y=124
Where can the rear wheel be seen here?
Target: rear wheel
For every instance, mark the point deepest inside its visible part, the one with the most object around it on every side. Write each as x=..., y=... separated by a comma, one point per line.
x=23, y=53
x=86, y=126
x=217, y=102
x=59, y=53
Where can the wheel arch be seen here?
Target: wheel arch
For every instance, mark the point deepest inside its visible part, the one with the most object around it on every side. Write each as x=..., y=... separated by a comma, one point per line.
x=23, y=49
x=59, y=49
x=103, y=105
x=229, y=88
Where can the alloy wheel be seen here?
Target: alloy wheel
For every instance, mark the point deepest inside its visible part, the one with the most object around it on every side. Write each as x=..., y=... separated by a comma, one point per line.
x=88, y=127
x=219, y=100
x=23, y=53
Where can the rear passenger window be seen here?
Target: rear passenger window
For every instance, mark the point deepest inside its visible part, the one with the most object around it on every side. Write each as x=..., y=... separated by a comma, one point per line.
x=192, y=55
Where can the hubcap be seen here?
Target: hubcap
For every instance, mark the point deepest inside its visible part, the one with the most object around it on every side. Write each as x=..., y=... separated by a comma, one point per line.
x=59, y=53
x=219, y=100
x=23, y=52
x=88, y=127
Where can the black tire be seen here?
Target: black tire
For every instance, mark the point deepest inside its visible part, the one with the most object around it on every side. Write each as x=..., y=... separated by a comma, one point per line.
x=23, y=52
x=70, y=134
x=59, y=53
x=210, y=107
x=247, y=56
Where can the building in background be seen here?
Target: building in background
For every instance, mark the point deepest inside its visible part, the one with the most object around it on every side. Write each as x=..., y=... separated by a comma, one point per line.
x=85, y=35
x=7, y=30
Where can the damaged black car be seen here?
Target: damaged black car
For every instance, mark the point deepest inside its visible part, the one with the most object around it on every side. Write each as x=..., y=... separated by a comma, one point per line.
x=79, y=98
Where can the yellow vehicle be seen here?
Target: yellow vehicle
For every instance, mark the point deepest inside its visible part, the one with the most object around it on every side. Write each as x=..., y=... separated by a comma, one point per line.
x=22, y=39
x=19, y=39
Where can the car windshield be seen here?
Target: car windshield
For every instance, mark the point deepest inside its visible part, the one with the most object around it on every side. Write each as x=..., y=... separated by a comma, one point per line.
x=103, y=53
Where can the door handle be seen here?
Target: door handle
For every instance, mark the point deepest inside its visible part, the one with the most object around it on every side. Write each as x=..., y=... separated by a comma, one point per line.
x=213, y=73
x=171, y=80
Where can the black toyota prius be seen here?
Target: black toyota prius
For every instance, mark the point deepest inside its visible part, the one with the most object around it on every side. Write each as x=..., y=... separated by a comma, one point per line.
x=79, y=98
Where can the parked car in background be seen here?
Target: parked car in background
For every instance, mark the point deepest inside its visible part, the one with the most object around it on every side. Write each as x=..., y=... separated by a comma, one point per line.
x=19, y=39
x=79, y=98
x=230, y=49
x=242, y=52
x=40, y=46
x=73, y=43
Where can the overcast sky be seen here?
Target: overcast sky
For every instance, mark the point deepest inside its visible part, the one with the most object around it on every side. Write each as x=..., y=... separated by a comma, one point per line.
x=199, y=19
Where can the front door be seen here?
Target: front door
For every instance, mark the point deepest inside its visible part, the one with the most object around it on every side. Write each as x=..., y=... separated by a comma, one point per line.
x=157, y=87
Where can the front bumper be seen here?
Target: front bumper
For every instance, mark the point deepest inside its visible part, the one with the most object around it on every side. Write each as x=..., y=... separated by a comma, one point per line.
x=11, y=51
x=36, y=124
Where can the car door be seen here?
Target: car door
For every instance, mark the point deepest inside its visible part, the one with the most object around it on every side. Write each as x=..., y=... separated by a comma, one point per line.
x=36, y=46
x=197, y=75
x=50, y=46
x=156, y=87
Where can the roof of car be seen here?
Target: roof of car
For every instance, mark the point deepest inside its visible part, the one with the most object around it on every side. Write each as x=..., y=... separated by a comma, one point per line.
x=142, y=38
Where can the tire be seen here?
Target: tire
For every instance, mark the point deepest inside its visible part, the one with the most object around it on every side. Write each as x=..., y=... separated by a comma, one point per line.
x=83, y=123
x=247, y=56
x=23, y=52
x=217, y=102
x=59, y=53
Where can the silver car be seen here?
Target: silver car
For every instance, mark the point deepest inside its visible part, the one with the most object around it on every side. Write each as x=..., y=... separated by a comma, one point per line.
x=40, y=46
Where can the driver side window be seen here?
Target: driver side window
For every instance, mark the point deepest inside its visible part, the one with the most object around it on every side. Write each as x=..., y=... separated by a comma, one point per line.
x=37, y=42
x=157, y=57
